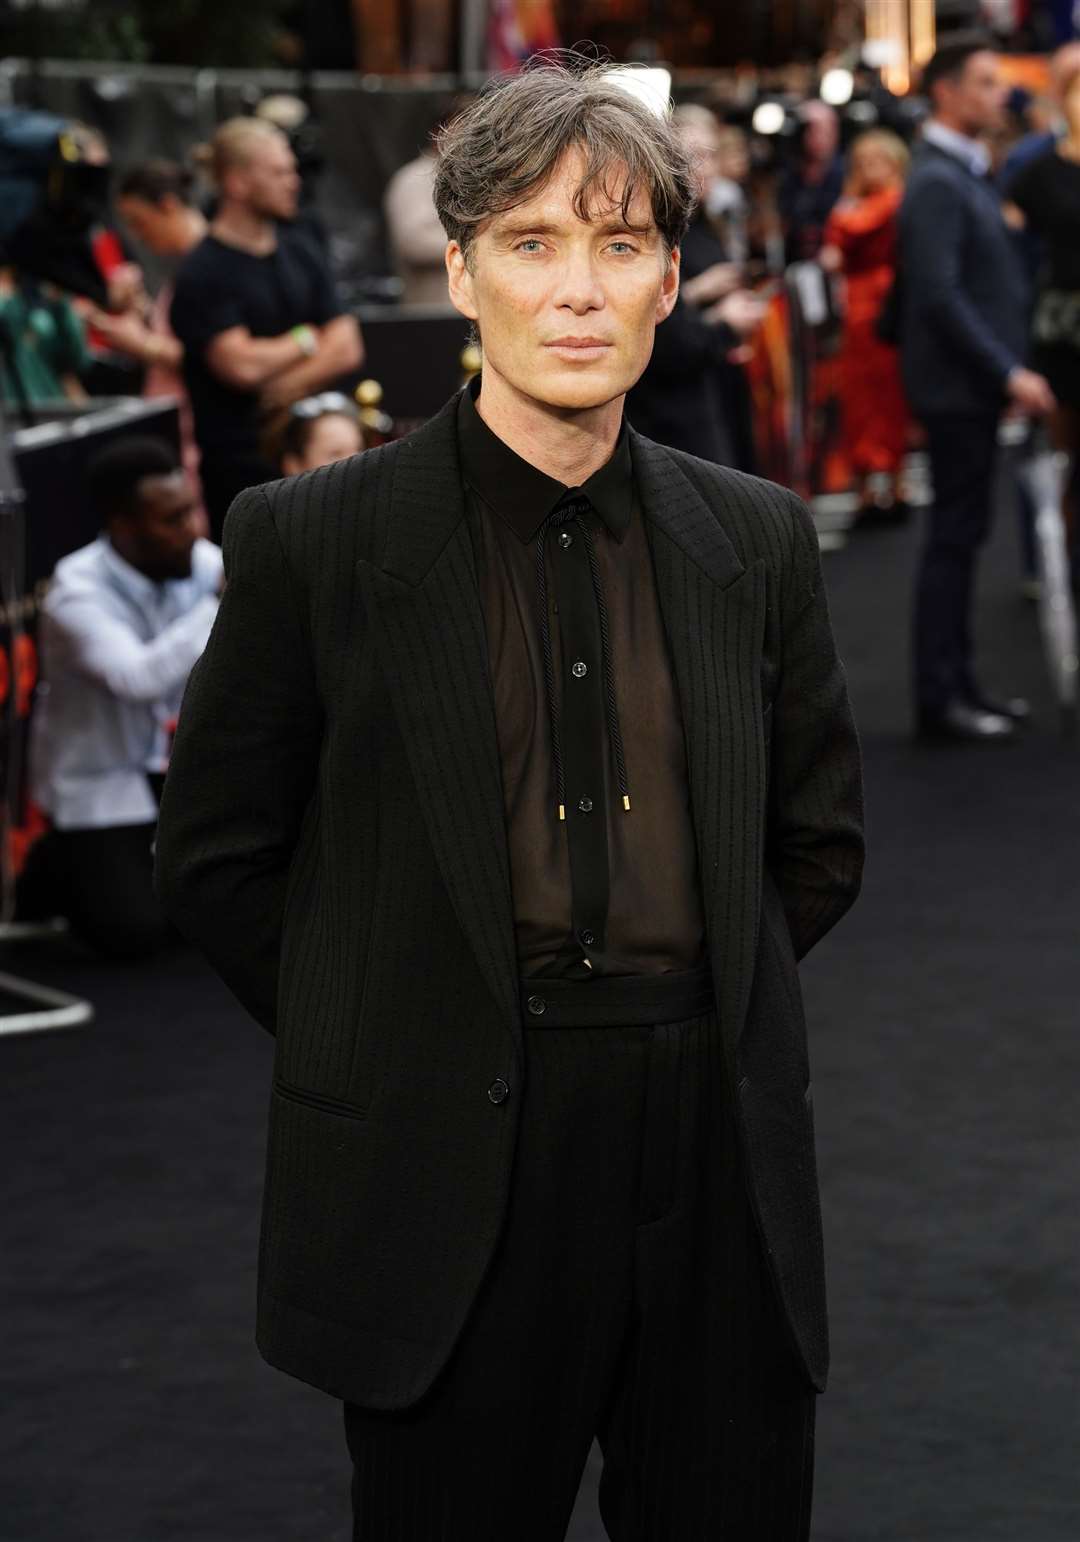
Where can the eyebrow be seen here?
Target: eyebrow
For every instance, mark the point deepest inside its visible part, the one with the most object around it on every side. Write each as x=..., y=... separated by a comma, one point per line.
x=546, y=228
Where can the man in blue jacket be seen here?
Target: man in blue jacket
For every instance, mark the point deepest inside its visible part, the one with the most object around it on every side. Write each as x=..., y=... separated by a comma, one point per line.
x=963, y=337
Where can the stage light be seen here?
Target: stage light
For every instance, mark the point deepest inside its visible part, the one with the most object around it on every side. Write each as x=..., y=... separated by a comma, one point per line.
x=768, y=118
x=836, y=87
x=650, y=84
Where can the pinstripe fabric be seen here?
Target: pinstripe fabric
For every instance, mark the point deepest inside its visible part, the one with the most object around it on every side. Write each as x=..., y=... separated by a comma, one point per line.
x=628, y=1298
x=332, y=835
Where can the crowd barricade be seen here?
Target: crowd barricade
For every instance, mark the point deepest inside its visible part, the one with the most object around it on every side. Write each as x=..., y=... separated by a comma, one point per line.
x=415, y=352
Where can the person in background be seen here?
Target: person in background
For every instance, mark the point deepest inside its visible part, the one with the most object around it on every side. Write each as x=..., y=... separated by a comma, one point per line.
x=124, y=620
x=256, y=311
x=728, y=204
x=156, y=204
x=713, y=278
x=1044, y=203
x=860, y=242
x=43, y=349
x=108, y=372
x=321, y=429
x=693, y=394
x=963, y=331
x=417, y=240
x=812, y=182
x=1063, y=67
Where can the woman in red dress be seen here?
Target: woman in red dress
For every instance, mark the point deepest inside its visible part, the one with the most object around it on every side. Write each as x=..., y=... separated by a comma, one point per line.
x=860, y=242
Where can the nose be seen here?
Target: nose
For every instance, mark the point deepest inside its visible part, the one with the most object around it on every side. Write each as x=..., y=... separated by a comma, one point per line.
x=578, y=287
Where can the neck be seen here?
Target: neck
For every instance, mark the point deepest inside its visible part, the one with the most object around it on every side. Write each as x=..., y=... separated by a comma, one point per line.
x=193, y=228
x=565, y=443
x=945, y=121
x=238, y=225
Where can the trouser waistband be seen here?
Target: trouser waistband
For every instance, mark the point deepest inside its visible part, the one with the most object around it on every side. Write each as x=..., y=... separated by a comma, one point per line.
x=614, y=1000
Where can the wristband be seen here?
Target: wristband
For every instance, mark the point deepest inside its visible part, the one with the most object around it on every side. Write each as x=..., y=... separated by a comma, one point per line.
x=304, y=338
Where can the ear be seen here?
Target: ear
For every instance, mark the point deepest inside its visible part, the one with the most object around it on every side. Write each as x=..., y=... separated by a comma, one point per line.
x=669, y=287
x=460, y=280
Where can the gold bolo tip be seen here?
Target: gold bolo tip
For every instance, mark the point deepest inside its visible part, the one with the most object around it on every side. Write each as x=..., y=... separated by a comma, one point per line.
x=626, y=801
x=562, y=810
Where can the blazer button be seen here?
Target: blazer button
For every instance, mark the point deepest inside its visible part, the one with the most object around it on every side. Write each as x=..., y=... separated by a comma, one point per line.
x=499, y=1091
x=536, y=1005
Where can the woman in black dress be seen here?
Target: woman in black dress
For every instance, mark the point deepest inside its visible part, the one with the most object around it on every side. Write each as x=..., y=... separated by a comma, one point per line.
x=1044, y=197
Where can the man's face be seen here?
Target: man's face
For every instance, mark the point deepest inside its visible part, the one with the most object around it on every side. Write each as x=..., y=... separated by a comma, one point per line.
x=566, y=308
x=159, y=536
x=269, y=183
x=976, y=98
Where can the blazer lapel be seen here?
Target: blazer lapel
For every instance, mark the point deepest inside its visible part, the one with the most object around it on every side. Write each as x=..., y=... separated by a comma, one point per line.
x=425, y=603
x=714, y=616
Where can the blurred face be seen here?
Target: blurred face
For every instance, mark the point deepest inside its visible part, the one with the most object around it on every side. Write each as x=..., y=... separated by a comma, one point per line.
x=734, y=156
x=159, y=536
x=874, y=167
x=567, y=308
x=333, y=437
x=974, y=103
x=822, y=134
x=157, y=226
x=269, y=182
x=702, y=145
x=1064, y=67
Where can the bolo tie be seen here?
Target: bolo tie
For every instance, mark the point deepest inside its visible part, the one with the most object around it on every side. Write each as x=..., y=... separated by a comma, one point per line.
x=569, y=511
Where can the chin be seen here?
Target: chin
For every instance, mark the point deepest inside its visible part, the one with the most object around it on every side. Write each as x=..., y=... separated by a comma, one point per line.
x=580, y=390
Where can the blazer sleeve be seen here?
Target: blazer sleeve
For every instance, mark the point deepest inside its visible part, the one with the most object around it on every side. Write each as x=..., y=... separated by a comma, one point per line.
x=815, y=841
x=243, y=767
x=933, y=233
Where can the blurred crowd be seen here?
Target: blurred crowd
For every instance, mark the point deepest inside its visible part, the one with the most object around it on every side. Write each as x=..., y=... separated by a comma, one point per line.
x=922, y=249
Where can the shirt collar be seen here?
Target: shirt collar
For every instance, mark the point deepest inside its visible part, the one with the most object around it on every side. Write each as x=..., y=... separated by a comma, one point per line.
x=134, y=584
x=524, y=496
x=975, y=156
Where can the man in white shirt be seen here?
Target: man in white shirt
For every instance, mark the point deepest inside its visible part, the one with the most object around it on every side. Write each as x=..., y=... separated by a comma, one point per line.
x=124, y=620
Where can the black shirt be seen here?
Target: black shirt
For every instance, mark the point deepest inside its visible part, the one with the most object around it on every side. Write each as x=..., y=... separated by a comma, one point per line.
x=1048, y=191
x=603, y=890
x=218, y=287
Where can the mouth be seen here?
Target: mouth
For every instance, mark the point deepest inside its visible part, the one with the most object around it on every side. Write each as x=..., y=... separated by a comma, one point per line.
x=579, y=347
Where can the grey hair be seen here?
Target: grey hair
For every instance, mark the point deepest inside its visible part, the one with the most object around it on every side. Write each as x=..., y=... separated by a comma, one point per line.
x=506, y=144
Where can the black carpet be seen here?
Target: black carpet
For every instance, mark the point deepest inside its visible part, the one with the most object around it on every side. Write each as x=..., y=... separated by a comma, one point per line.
x=944, y=1022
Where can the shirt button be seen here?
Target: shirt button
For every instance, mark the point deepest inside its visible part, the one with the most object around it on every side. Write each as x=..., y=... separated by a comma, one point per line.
x=565, y=539
x=536, y=1005
x=579, y=669
x=585, y=805
x=499, y=1091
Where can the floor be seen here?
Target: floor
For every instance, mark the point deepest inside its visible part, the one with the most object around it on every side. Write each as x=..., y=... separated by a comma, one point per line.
x=944, y=1016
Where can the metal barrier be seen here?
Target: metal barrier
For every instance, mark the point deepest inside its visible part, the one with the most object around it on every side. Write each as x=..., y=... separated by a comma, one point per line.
x=25, y=1006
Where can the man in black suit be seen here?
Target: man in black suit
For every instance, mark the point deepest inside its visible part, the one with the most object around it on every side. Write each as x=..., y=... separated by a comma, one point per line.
x=517, y=774
x=963, y=332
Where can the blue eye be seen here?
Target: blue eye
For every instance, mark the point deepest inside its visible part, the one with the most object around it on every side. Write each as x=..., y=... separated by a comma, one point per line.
x=530, y=242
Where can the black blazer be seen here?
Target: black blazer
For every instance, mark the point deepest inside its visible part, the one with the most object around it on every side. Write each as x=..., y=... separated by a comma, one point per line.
x=332, y=834
x=965, y=301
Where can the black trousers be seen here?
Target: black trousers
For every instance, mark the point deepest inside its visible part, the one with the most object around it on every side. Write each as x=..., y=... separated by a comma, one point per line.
x=963, y=451
x=102, y=881
x=628, y=1299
